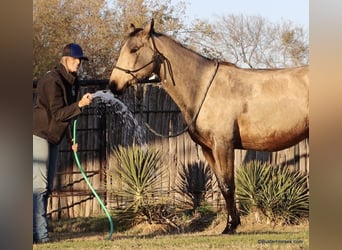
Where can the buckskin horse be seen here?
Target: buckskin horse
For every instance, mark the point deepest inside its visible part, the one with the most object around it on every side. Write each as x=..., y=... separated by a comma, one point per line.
x=225, y=107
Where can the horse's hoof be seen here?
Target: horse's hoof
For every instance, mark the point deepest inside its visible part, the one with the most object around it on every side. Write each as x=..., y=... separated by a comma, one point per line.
x=229, y=231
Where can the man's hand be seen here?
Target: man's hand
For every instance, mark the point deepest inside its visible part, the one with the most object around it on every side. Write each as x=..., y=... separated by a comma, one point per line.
x=74, y=147
x=85, y=100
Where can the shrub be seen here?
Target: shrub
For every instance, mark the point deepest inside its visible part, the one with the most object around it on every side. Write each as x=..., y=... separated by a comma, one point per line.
x=138, y=174
x=279, y=194
x=194, y=185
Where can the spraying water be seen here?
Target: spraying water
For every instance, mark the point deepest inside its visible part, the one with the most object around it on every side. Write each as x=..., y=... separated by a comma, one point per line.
x=107, y=97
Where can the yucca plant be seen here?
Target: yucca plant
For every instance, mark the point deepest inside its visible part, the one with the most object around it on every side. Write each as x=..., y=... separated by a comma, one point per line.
x=250, y=179
x=194, y=184
x=279, y=194
x=285, y=196
x=137, y=174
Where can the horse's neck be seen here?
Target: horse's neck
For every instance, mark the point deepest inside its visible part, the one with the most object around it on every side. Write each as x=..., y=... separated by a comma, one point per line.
x=186, y=79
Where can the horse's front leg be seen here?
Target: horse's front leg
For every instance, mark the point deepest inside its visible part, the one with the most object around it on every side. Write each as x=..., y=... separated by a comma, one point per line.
x=223, y=167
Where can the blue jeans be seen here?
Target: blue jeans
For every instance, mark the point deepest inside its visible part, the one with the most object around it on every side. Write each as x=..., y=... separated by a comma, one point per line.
x=44, y=169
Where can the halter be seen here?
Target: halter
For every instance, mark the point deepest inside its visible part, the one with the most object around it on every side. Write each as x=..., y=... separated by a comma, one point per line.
x=159, y=57
x=155, y=57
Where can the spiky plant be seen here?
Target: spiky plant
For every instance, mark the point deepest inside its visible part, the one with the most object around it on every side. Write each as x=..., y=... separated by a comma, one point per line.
x=279, y=194
x=194, y=184
x=249, y=181
x=286, y=196
x=137, y=173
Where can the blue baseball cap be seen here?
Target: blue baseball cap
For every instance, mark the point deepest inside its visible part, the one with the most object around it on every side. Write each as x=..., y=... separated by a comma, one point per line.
x=74, y=50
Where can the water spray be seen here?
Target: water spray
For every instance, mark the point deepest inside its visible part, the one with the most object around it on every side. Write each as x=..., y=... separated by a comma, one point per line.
x=129, y=121
x=103, y=94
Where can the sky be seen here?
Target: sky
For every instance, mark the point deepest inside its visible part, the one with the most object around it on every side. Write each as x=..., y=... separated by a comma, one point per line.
x=296, y=11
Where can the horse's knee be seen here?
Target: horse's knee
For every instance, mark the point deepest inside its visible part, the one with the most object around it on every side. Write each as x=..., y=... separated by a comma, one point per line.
x=228, y=190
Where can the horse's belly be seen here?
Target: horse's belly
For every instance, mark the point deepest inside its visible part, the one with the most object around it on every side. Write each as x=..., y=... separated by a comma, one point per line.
x=270, y=136
x=272, y=126
x=272, y=142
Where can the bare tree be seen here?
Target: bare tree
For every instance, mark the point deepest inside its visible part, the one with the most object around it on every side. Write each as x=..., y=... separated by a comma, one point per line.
x=252, y=41
x=200, y=36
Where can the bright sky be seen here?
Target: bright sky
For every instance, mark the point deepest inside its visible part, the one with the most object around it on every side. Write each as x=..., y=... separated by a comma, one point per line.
x=296, y=11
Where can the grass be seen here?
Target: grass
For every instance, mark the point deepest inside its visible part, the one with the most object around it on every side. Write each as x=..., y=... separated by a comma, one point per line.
x=250, y=235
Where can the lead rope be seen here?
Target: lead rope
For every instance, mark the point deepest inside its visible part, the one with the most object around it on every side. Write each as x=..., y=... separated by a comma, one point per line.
x=195, y=116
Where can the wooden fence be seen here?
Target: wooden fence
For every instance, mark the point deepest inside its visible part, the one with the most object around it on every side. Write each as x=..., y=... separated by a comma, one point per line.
x=102, y=127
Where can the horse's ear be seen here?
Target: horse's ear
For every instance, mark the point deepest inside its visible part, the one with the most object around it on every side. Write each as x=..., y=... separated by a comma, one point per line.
x=131, y=28
x=149, y=28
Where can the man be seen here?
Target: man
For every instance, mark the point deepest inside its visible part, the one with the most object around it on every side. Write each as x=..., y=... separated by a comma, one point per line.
x=55, y=108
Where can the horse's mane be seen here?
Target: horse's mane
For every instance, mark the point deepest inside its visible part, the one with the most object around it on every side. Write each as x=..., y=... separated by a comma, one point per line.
x=189, y=49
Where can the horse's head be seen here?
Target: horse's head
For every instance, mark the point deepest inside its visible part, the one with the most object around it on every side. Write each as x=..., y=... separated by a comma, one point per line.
x=137, y=59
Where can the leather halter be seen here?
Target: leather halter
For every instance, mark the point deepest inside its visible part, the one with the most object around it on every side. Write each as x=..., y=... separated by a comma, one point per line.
x=156, y=58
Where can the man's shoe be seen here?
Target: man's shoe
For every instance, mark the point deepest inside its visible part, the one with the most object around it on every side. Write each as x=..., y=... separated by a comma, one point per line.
x=41, y=241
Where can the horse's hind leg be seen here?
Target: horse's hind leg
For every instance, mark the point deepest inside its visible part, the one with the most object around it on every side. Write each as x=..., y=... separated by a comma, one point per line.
x=221, y=160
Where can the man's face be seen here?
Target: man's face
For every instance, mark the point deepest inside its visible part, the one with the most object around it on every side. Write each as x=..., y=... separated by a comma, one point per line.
x=72, y=64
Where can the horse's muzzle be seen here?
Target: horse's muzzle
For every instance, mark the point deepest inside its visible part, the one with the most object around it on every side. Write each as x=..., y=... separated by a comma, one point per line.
x=113, y=86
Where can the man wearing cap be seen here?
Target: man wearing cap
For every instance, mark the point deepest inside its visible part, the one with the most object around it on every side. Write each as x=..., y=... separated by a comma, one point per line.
x=57, y=104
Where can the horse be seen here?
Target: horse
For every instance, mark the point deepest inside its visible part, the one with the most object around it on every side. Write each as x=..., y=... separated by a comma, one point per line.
x=224, y=106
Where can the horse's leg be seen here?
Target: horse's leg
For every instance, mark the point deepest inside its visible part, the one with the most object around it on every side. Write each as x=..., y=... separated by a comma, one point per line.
x=221, y=160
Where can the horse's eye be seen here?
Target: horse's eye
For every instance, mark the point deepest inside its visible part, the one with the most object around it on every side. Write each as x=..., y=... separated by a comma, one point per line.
x=134, y=50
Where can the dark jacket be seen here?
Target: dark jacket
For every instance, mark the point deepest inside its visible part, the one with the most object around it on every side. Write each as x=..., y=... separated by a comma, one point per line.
x=56, y=104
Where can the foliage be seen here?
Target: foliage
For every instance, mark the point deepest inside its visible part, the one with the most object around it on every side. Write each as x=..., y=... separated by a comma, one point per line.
x=138, y=177
x=99, y=26
x=278, y=193
x=88, y=23
x=194, y=184
x=168, y=17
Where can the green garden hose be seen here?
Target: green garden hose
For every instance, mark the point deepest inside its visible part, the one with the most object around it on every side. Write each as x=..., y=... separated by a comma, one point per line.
x=90, y=186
